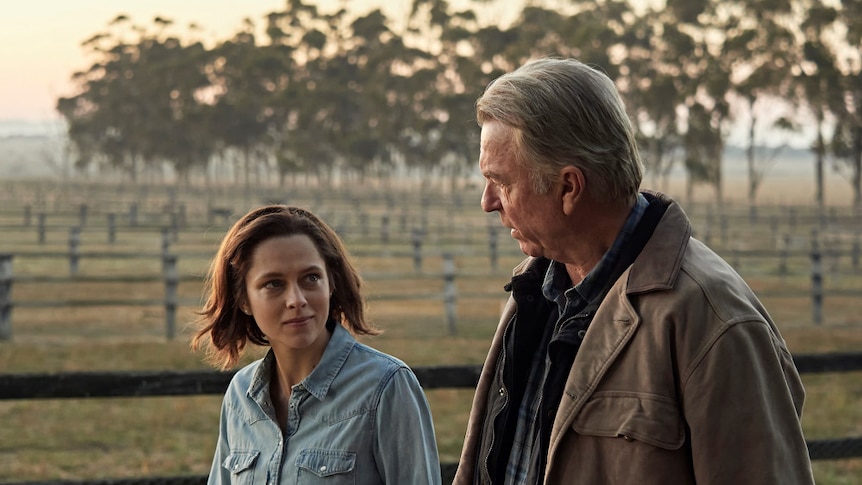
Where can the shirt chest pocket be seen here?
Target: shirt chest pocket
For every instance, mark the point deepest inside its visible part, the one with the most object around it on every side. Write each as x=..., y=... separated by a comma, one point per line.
x=633, y=417
x=240, y=464
x=332, y=467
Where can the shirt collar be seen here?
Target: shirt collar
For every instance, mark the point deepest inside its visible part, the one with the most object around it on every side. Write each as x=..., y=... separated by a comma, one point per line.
x=317, y=383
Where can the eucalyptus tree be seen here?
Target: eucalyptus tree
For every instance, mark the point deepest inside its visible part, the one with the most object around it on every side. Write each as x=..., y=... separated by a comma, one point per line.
x=104, y=114
x=761, y=46
x=654, y=85
x=308, y=98
x=847, y=143
x=818, y=80
x=445, y=84
x=245, y=78
x=173, y=124
x=676, y=87
x=137, y=105
x=348, y=94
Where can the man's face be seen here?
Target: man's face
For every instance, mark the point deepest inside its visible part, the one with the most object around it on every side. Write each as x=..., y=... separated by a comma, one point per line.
x=531, y=218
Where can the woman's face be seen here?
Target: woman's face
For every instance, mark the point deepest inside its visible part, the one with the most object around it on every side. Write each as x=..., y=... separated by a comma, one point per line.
x=288, y=291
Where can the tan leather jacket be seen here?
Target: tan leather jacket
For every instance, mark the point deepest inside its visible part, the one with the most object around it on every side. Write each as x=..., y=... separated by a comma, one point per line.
x=682, y=378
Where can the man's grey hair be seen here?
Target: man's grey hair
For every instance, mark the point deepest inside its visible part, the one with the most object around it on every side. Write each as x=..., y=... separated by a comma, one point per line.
x=567, y=113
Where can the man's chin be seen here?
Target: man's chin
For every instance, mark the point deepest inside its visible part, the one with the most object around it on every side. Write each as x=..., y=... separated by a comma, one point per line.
x=530, y=249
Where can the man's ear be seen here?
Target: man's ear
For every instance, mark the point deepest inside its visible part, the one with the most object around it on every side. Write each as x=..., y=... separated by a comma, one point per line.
x=573, y=187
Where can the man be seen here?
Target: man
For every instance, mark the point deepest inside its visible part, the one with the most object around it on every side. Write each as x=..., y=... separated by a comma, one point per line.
x=628, y=352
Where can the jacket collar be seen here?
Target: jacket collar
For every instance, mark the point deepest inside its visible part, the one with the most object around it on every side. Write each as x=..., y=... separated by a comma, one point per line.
x=658, y=265
x=656, y=268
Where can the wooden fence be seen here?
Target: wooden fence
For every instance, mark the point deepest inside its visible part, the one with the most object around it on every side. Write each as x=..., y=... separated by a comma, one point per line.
x=190, y=383
x=820, y=261
x=790, y=242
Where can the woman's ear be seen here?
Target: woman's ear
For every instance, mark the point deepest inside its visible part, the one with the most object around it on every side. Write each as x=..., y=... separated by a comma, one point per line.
x=572, y=187
x=244, y=306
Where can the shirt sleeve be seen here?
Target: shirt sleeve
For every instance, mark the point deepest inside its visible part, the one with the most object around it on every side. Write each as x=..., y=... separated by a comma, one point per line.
x=218, y=475
x=406, y=446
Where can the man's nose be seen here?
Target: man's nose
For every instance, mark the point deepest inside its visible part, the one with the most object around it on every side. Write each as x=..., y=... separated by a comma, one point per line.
x=490, y=200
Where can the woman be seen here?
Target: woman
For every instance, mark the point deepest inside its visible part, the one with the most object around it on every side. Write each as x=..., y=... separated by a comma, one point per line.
x=319, y=407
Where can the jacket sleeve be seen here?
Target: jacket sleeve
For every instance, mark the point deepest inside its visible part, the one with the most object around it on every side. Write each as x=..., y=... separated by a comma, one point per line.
x=743, y=405
x=406, y=446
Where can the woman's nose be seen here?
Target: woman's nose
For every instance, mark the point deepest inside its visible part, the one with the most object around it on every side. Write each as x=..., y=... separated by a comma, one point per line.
x=295, y=298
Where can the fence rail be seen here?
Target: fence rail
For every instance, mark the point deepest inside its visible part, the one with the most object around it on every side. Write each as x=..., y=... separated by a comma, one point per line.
x=171, y=278
x=76, y=385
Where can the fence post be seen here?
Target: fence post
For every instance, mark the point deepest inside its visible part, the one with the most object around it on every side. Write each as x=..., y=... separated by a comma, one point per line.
x=181, y=214
x=112, y=228
x=166, y=245
x=41, y=228
x=773, y=225
x=417, y=250
x=855, y=250
x=133, y=214
x=175, y=226
x=492, y=246
x=450, y=293
x=82, y=215
x=5, y=297
x=169, y=263
x=707, y=229
x=782, y=256
x=384, y=229
x=74, y=244
x=816, y=280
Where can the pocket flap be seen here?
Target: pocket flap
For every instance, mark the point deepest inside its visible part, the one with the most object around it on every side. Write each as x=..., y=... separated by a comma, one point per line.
x=239, y=461
x=324, y=463
x=646, y=418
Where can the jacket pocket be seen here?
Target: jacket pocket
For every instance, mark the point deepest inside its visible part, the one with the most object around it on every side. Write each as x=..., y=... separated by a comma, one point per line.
x=647, y=418
x=326, y=466
x=240, y=464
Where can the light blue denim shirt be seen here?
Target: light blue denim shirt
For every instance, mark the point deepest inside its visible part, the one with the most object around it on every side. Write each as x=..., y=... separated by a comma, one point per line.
x=360, y=417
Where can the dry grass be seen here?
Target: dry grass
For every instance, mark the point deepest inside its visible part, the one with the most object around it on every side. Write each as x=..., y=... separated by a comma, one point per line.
x=89, y=438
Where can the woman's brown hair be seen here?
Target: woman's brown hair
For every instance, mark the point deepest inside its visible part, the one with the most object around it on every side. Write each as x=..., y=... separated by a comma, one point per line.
x=224, y=329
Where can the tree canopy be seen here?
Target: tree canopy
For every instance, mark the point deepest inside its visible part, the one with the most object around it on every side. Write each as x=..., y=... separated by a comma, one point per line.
x=313, y=93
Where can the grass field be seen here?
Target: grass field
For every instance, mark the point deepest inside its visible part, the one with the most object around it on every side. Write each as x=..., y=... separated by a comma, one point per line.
x=119, y=437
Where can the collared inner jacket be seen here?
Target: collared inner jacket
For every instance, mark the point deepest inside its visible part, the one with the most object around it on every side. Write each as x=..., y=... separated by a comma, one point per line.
x=681, y=378
x=360, y=417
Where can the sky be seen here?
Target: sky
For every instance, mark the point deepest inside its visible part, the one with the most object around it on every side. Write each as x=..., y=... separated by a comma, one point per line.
x=41, y=41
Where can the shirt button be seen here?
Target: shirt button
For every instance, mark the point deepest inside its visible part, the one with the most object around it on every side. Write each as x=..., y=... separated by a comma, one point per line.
x=502, y=391
x=581, y=334
x=323, y=468
x=628, y=438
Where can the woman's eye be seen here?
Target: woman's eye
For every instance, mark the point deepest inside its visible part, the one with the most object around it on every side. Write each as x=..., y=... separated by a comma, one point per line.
x=314, y=278
x=273, y=284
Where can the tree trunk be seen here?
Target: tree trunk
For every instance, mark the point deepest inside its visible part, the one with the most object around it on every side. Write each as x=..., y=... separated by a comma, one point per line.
x=753, y=181
x=857, y=169
x=820, y=155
